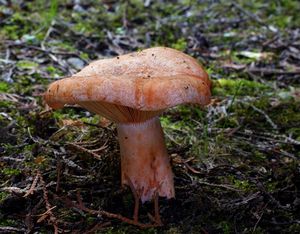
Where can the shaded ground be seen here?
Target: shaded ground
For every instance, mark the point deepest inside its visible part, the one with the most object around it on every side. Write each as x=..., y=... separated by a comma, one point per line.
x=236, y=162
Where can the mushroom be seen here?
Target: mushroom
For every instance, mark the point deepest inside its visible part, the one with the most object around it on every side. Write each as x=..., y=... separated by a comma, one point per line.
x=133, y=90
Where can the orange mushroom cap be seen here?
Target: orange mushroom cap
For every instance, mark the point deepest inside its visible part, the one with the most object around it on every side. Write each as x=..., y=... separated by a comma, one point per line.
x=148, y=81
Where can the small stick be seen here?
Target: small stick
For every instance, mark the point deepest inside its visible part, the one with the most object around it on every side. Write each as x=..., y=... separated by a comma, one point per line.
x=260, y=217
x=110, y=215
x=33, y=186
x=219, y=186
x=7, y=229
x=156, y=210
x=52, y=220
x=269, y=120
x=249, y=14
x=97, y=227
x=267, y=71
x=58, y=170
x=97, y=156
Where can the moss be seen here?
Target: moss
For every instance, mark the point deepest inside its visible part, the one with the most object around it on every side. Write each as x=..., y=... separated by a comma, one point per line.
x=180, y=44
x=94, y=119
x=229, y=122
x=271, y=186
x=282, y=13
x=10, y=31
x=27, y=64
x=225, y=227
x=10, y=171
x=259, y=156
x=51, y=69
x=286, y=114
x=53, y=72
x=3, y=196
x=84, y=56
x=8, y=222
x=239, y=87
x=3, y=87
x=242, y=184
x=17, y=25
x=62, y=45
x=294, y=228
x=84, y=28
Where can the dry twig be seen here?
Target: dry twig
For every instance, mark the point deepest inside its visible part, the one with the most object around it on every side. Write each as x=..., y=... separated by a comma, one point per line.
x=7, y=229
x=269, y=120
x=93, y=152
x=33, y=186
x=52, y=219
x=82, y=207
x=225, y=186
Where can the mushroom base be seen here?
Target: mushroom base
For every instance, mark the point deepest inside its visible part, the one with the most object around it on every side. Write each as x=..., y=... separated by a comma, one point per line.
x=144, y=159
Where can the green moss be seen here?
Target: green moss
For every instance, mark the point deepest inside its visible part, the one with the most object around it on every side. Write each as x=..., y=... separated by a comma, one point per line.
x=294, y=228
x=10, y=31
x=286, y=114
x=3, y=196
x=17, y=25
x=53, y=71
x=271, y=186
x=180, y=44
x=3, y=87
x=229, y=122
x=258, y=156
x=62, y=45
x=84, y=28
x=283, y=14
x=27, y=64
x=239, y=87
x=241, y=184
x=8, y=222
x=10, y=171
x=226, y=227
x=66, y=113
x=92, y=119
x=84, y=56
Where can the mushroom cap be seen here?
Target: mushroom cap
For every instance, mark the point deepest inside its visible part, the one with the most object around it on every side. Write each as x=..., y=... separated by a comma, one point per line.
x=150, y=80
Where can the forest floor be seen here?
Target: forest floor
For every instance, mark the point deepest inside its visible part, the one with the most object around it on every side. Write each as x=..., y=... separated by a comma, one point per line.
x=236, y=161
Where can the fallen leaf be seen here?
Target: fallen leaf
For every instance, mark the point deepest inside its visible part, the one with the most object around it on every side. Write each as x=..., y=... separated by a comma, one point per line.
x=257, y=55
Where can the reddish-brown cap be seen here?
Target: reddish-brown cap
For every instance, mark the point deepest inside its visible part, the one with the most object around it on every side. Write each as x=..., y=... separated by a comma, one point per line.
x=134, y=87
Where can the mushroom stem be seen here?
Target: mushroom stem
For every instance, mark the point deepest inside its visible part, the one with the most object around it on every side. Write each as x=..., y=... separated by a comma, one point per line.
x=144, y=159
